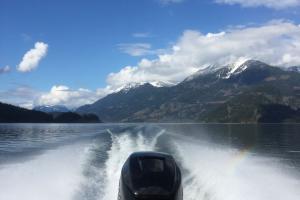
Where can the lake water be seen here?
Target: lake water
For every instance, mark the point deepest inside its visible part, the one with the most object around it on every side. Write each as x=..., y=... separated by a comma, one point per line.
x=83, y=161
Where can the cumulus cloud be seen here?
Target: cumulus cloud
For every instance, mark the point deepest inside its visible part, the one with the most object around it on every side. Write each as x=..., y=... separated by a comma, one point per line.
x=32, y=58
x=277, y=43
x=276, y=4
x=5, y=69
x=63, y=95
x=138, y=49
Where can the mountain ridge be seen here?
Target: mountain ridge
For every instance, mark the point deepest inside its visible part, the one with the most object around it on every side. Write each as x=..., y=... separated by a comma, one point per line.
x=201, y=98
x=14, y=114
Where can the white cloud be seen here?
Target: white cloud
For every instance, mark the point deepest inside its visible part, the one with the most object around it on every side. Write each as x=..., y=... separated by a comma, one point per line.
x=5, y=69
x=22, y=95
x=63, y=95
x=28, y=97
x=32, y=57
x=276, y=4
x=138, y=49
x=277, y=43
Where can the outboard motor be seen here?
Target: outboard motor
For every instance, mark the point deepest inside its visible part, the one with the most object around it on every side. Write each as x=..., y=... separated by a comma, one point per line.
x=150, y=175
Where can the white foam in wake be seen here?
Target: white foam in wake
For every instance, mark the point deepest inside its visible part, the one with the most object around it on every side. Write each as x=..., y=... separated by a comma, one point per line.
x=209, y=173
x=54, y=175
x=122, y=146
x=227, y=174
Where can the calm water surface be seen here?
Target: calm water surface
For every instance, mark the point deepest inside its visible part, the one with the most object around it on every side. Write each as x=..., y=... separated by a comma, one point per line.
x=83, y=161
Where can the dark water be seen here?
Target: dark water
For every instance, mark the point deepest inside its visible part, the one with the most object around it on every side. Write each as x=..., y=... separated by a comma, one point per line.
x=83, y=161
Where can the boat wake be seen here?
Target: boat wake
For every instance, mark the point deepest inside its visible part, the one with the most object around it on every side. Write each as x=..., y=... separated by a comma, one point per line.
x=214, y=173
x=91, y=171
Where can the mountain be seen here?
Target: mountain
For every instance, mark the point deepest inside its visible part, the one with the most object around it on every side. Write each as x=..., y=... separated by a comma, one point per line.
x=234, y=93
x=51, y=109
x=118, y=106
x=10, y=113
x=14, y=114
x=134, y=85
x=225, y=73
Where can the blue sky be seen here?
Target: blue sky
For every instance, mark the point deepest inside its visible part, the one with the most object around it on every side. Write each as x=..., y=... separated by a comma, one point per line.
x=87, y=40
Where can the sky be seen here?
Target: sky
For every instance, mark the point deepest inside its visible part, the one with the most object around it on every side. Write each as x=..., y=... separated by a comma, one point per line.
x=66, y=52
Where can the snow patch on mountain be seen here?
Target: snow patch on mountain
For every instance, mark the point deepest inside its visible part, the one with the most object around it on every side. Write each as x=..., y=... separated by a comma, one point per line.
x=231, y=69
x=129, y=86
x=206, y=70
x=162, y=83
x=135, y=85
x=237, y=67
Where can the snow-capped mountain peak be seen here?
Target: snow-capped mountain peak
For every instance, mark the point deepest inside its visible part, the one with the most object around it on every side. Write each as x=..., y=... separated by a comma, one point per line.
x=236, y=67
x=230, y=69
x=206, y=70
x=133, y=85
x=227, y=71
x=129, y=86
x=125, y=88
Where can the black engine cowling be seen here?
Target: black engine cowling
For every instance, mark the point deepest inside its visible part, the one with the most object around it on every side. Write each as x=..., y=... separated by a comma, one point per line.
x=150, y=175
